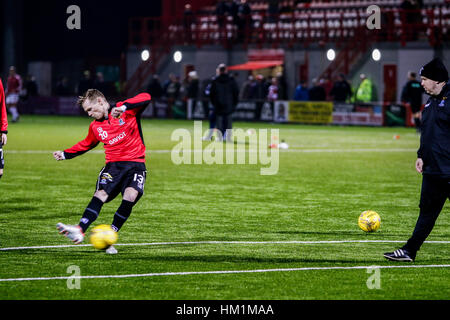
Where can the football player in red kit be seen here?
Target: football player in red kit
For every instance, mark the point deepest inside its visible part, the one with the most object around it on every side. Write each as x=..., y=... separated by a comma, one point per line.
x=13, y=88
x=118, y=128
x=3, y=126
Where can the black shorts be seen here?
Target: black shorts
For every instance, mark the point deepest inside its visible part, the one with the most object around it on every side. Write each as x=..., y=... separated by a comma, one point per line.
x=115, y=177
x=2, y=159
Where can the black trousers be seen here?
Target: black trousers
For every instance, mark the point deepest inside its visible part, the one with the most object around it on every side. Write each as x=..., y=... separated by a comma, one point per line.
x=224, y=122
x=212, y=119
x=435, y=191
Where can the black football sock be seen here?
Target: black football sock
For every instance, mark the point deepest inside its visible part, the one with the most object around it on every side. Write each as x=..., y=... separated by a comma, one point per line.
x=91, y=213
x=122, y=214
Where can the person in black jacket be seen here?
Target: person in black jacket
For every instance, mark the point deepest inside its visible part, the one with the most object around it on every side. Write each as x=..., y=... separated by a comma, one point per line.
x=317, y=92
x=224, y=95
x=433, y=158
x=155, y=88
x=244, y=20
x=412, y=96
x=341, y=90
x=192, y=86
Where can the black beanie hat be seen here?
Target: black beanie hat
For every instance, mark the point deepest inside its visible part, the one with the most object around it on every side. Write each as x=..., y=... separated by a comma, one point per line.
x=435, y=70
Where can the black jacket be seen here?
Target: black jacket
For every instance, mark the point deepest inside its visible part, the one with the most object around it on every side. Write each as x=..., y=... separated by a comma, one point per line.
x=224, y=94
x=341, y=91
x=412, y=93
x=155, y=89
x=435, y=135
x=317, y=93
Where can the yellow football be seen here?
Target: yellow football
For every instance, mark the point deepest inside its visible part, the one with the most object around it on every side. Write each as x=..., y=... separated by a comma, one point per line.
x=103, y=236
x=369, y=221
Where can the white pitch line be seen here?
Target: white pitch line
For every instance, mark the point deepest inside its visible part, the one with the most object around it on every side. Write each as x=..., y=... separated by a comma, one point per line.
x=146, y=275
x=219, y=242
x=349, y=150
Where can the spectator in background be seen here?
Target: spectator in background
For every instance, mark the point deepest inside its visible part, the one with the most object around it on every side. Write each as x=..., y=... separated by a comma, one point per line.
x=85, y=83
x=221, y=12
x=173, y=87
x=188, y=21
x=172, y=92
x=224, y=97
x=13, y=88
x=317, y=91
x=282, y=86
x=407, y=5
x=167, y=82
x=412, y=10
x=364, y=93
x=232, y=10
x=247, y=88
x=341, y=90
x=412, y=95
x=301, y=92
x=272, y=11
x=62, y=87
x=272, y=94
x=244, y=20
x=155, y=88
x=327, y=84
x=411, y=17
x=206, y=87
x=260, y=88
x=193, y=85
x=31, y=87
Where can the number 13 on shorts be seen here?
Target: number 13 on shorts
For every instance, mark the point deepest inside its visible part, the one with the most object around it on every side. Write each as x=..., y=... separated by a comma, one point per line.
x=140, y=180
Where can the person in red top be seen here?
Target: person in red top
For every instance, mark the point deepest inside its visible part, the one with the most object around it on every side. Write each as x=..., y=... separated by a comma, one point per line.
x=3, y=127
x=118, y=128
x=13, y=87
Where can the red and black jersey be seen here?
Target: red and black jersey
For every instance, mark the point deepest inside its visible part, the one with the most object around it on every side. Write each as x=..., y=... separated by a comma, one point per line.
x=14, y=84
x=122, y=137
x=3, y=114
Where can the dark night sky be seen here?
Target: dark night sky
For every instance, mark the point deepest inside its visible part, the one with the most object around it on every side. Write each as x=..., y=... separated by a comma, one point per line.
x=104, y=27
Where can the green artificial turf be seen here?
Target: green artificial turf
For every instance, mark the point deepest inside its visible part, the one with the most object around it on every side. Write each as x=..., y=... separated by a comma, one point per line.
x=201, y=218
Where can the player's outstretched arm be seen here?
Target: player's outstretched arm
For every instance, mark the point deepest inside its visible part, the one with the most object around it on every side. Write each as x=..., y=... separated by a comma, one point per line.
x=89, y=143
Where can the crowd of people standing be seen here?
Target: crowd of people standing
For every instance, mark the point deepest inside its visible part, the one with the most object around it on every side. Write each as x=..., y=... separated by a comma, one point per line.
x=339, y=91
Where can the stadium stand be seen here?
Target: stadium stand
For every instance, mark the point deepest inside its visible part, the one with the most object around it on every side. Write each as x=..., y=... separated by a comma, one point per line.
x=341, y=22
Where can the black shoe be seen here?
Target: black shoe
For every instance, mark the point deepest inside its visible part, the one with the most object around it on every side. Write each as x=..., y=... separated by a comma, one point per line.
x=399, y=255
